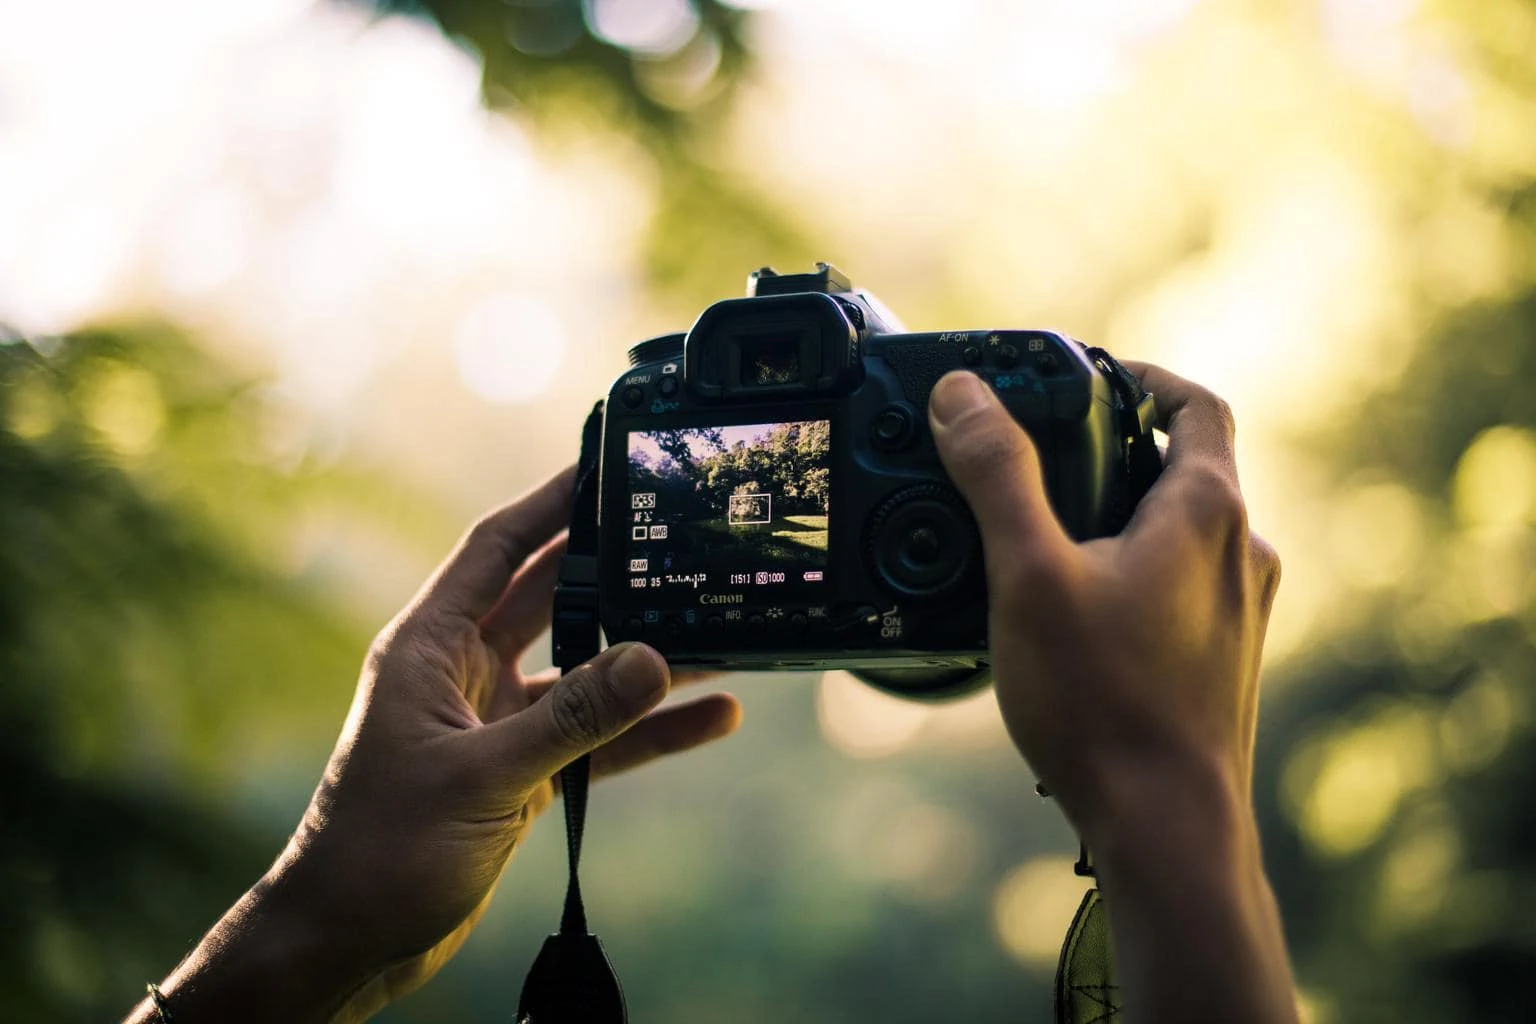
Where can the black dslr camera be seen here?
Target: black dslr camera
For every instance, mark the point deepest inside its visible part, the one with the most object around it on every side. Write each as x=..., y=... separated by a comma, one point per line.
x=770, y=496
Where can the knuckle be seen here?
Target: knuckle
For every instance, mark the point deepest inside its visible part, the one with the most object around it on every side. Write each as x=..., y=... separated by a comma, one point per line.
x=578, y=712
x=1221, y=411
x=391, y=643
x=1267, y=565
x=501, y=531
x=1215, y=503
x=487, y=529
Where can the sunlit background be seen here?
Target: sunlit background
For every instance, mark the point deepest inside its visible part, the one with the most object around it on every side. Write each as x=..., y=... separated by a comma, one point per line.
x=289, y=291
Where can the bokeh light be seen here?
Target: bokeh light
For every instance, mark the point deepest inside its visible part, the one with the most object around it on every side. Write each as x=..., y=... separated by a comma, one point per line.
x=305, y=286
x=509, y=347
x=1033, y=907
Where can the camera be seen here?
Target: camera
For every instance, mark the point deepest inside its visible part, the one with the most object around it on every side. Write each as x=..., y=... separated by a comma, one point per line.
x=770, y=497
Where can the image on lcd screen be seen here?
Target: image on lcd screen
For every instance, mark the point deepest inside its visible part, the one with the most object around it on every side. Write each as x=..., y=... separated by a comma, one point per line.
x=739, y=505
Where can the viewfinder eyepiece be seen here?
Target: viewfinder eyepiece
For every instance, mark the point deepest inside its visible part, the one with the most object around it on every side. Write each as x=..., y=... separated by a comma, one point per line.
x=779, y=346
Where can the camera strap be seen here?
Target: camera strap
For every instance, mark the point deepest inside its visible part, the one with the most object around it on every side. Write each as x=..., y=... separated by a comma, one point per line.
x=571, y=981
x=1136, y=416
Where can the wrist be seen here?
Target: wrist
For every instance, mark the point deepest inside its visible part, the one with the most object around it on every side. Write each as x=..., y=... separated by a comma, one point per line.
x=271, y=957
x=1196, y=930
x=1146, y=812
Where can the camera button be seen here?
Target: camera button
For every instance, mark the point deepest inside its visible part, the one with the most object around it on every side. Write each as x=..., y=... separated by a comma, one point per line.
x=667, y=386
x=633, y=628
x=632, y=396
x=673, y=626
x=1007, y=356
x=756, y=622
x=714, y=625
x=892, y=427
x=798, y=622
x=971, y=355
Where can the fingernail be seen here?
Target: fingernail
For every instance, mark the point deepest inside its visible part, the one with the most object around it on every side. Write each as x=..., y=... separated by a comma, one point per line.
x=956, y=394
x=636, y=673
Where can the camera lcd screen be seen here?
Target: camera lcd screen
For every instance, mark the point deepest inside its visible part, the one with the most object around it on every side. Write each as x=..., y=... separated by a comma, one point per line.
x=770, y=359
x=729, y=507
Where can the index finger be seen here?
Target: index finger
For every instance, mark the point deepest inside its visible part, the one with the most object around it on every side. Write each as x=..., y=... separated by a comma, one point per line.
x=471, y=580
x=1198, y=422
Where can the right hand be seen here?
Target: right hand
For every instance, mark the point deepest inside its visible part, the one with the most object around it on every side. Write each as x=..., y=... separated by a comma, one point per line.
x=1127, y=672
x=1126, y=667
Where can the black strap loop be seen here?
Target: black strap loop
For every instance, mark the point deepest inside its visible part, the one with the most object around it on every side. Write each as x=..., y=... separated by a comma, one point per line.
x=571, y=981
x=573, y=791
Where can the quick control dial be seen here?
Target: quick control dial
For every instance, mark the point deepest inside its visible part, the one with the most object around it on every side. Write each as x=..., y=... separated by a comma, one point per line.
x=921, y=542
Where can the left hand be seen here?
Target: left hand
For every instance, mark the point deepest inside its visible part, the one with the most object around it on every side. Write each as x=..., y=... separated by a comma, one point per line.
x=445, y=759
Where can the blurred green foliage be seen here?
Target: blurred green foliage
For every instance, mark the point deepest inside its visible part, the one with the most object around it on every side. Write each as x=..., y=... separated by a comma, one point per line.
x=150, y=644
x=163, y=642
x=1423, y=913
x=546, y=62
x=537, y=54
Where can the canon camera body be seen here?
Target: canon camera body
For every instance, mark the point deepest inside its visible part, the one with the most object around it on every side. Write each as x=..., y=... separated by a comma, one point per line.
x=770, y=495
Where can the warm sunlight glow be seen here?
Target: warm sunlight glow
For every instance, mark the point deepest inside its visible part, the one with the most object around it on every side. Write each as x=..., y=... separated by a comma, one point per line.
x=1033, y=907
x=1344, y=790
x=1375, y=534
x=508, y=347
x=861, y=721
x=1495, y=486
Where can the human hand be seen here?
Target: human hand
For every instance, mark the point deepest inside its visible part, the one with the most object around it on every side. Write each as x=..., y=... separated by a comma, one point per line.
x=446, y=757
x=1124, y=652
x=1126, y=671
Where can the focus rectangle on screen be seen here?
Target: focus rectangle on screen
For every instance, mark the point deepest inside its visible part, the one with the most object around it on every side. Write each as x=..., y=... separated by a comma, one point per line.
x=739, y=505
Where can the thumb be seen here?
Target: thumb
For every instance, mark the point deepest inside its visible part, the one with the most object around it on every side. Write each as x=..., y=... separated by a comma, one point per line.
x=589, y=706
x=994, y=464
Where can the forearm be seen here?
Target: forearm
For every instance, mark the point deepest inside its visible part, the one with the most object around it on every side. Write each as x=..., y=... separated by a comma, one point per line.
x=266, y=959
x=1196, y=929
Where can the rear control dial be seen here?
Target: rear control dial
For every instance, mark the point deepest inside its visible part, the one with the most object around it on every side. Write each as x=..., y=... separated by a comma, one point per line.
x=921, y=542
